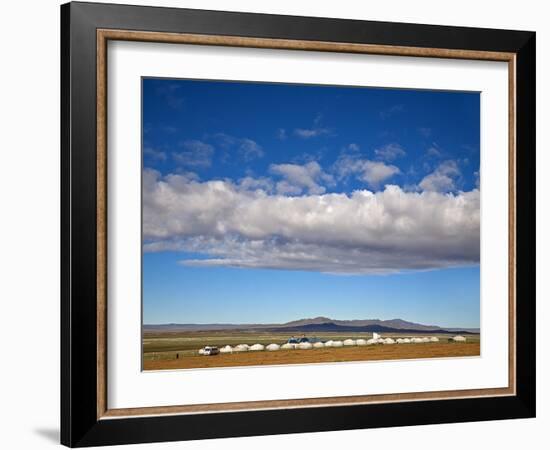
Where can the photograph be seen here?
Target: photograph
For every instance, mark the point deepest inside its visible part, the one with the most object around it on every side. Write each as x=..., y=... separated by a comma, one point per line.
x=303, y=224
x=276, y=223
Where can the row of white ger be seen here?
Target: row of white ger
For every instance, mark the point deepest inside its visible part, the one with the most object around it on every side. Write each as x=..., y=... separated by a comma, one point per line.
x=347, y=342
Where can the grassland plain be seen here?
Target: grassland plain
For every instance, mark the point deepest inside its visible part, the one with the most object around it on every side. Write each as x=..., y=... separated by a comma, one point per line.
x=179, y=350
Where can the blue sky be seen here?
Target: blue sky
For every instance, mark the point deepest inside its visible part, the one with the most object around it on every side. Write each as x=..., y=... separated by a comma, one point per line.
x=272, y=202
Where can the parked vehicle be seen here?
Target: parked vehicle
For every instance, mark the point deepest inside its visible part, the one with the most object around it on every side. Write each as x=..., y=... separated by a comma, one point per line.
x=303, y=339
x=210, y=351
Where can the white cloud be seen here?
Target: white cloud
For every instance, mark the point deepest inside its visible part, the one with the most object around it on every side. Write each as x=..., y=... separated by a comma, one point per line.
x=433, y=151
x=286, y=188
x=307, y=133
x=361, y=233
x=374, y=172
x=154, y=154
x=196, y=154
x=390, y=152
x=250, y=149
x=297, y=178
x=371, y=172
x=315, y=131
x=309, y=156
x=250, y=183
x=442, y=179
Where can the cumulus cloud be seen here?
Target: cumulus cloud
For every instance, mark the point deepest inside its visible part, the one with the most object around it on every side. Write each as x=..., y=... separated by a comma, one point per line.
x=286, y=188
x=390, y=152
x=442, y=179
x=371, y=172
x=251, y=184
x=195, y=154
x=298, y=178
x=434, y=151
x=374, y=172
x=247, y=148
x=360, y=233
x=250, y=149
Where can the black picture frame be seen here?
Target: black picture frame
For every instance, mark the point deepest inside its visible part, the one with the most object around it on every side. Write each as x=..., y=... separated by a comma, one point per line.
x=80, y=425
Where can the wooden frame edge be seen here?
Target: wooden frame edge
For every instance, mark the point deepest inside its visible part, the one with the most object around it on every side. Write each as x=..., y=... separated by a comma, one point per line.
x=101, y=223
x=103, y=36
x=303, y=403
x=512, y=199
x=290, y=44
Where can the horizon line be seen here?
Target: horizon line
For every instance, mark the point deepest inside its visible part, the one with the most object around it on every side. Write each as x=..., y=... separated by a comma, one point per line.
x=308, y=318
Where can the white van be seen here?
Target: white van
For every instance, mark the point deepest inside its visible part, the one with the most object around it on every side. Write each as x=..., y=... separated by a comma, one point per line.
x=210, y=351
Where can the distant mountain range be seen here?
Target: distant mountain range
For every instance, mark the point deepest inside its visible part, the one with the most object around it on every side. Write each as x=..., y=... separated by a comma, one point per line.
x=317, y=324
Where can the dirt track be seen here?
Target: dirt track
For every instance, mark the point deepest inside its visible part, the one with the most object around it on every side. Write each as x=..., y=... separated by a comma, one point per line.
x=364, y=353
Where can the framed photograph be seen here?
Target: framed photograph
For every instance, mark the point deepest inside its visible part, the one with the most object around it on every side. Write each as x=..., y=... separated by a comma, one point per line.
x=276, y=224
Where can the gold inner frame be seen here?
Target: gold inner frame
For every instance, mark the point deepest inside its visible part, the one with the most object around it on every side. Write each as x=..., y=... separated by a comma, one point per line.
x=104, y=35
